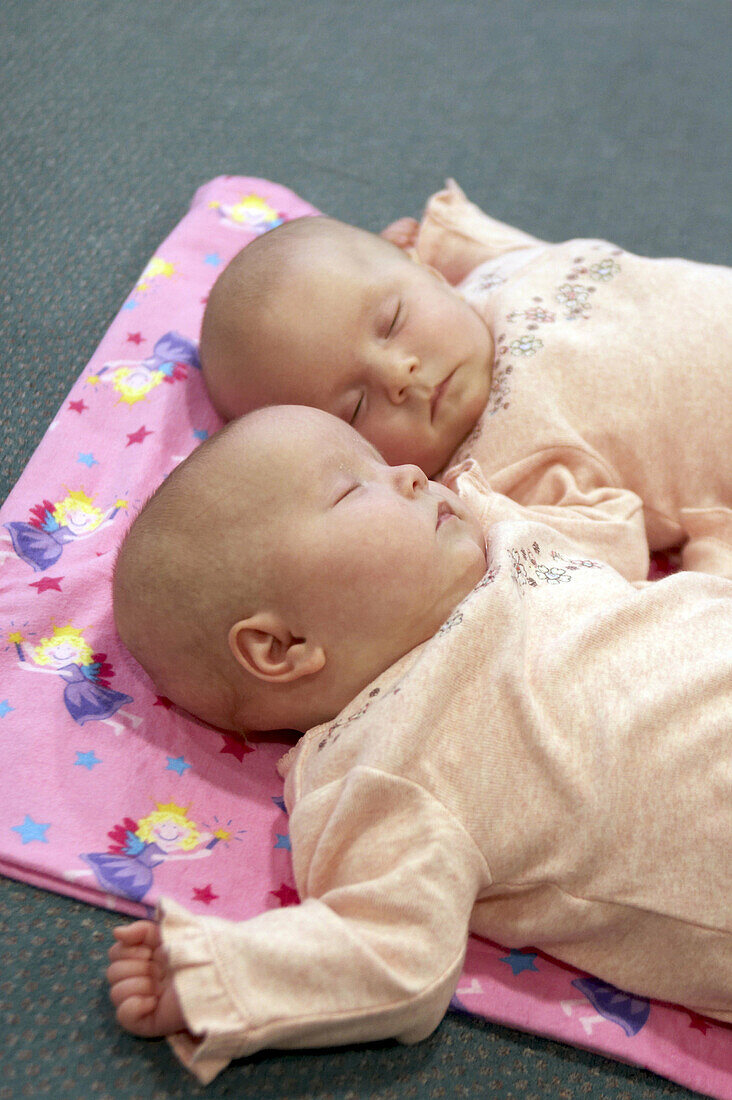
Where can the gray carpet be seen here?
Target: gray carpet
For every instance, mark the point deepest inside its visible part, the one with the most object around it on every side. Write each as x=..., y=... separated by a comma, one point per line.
x=567, y=117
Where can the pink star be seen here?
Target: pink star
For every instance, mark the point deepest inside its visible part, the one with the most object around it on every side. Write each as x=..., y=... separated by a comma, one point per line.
x=47, y=583
x=286, y=895
x=235, y=746
x=134, y=338
x=204, y=894
x=78, y=406
x=138, y=436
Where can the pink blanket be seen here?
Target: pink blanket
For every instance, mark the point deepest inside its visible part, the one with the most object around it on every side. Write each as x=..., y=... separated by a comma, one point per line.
x=110, y=795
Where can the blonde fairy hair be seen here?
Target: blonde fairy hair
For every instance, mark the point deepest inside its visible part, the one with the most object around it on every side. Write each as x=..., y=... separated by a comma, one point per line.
x=78, y=501
x=67, y=633
x=167, y=811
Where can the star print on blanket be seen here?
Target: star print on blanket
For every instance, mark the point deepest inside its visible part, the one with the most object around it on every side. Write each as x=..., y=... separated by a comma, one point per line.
x=110, y=794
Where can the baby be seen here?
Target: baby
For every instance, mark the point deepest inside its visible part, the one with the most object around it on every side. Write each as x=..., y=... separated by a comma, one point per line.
x=590, y=385
x=494, y=744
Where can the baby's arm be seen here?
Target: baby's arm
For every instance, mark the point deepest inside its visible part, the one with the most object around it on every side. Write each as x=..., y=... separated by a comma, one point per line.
x=455, y=235
x=709, y=546
x=570, y=492
x=375, y=950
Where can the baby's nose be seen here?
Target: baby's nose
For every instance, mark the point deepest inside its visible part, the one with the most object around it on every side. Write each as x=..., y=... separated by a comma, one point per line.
x=410, y=479
x=401, y=377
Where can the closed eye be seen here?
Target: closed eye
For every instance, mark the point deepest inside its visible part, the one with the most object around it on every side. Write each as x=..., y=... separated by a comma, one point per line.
x=347, y=492
x=394, y=319
x=359, y=403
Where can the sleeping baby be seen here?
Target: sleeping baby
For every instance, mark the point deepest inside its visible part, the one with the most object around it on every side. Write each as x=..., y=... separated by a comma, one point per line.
x=592, y=386
x=493, y=744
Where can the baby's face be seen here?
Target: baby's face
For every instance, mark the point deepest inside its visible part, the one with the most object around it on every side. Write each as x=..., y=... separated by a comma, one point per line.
x=371, y=558
x=363, y=332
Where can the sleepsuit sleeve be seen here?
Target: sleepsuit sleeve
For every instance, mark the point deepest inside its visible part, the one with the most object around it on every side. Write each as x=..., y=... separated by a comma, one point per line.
x=455, y=235
x=375, y=949
x=569, y=491
x=709, y=545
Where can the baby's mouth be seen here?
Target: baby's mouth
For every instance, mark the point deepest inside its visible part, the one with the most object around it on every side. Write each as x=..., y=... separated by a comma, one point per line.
x=444, y=512
x=438, y=393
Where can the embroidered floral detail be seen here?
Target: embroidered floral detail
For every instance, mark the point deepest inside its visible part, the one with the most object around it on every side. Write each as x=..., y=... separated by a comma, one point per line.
x=552, y=574
x=526, y=345
x=335, y=729
x=479, y=286
x=576, y=299
x=500, y=389
x=576, y=563
x=604, y=270
x=455, y=619
x=536, y=314
x=487, y=282
x=457, y=616
x=529, y=571
x=488, y=578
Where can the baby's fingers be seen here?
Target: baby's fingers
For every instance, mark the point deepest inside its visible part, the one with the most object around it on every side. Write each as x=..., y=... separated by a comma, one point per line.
x=140, y=932
x=135, y=1014
x=121, y=951
x=133, y=986
x=402, y=233
x=129, y=968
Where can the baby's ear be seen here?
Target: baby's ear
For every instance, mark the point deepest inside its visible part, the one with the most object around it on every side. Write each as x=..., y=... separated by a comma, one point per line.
x=265, y=647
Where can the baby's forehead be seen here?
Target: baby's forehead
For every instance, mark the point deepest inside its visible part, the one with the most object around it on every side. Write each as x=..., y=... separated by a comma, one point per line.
x=353, y=248
x=319, y=457
x=283, y=449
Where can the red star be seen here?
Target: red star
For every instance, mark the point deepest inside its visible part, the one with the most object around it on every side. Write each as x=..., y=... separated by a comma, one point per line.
x=204, y=894
x=162, y=701
x=697, y=1022
x=236, y=746
x=78, y=406
x=134, y=338
x=46, y=583
x=286, y=895
x=138, y=436
x=204, y=300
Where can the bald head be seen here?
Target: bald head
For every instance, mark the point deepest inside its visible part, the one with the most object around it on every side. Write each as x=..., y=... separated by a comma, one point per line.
x=243, y=348
x=193, y=561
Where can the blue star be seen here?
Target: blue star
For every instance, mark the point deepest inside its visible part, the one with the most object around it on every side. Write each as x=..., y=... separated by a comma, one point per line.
x=520, y=960
x=201, y=433
x=283, y=841
x=5, y=708
x=86, y=760
x=132, y=304
x=88, y=459
x=212, y=258
x=32, y=830
x=177, y=764
x=279, y=802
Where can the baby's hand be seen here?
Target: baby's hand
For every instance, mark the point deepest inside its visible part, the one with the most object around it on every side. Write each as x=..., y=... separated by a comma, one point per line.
x=140, y=986
x=402, y=233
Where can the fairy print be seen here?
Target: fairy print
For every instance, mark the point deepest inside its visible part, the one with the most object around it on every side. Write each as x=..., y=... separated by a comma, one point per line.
x=251, y=213
x=133, y=380
x=157, y=268
x=40, y=541
x=86, y=675
x=138, y=847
